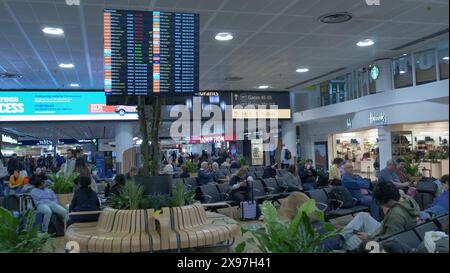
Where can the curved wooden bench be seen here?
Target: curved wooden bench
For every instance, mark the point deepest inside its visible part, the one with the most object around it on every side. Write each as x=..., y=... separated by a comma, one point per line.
x=189, y=226
x=117, y=231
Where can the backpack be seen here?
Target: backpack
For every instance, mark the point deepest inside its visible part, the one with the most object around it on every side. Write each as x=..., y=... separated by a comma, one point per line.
x=341, y=193
x=287, y=154
x=427, y=185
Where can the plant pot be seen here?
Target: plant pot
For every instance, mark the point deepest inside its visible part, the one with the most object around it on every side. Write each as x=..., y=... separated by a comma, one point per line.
x=436, y=170
x=444, y=166
x=155, y=184
x=64, y=198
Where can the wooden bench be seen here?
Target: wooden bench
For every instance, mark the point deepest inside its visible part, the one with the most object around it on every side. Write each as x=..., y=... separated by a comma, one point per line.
x=190, y=226
x=125, y=231
x=117, y=231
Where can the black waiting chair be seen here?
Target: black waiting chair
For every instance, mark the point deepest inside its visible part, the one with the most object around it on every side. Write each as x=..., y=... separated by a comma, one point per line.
x=190, y=182
x=423, y=228
x=409, y=238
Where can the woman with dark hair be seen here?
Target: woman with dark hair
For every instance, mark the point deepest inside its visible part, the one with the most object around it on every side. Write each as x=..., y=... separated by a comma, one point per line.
x=240, y=185
x=84, y=199
x=82, y=169
x=291, y=180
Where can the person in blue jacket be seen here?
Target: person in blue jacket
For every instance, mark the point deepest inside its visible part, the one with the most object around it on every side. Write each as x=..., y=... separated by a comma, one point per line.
x=84, y=199
x=204, y=175
x=359, y=188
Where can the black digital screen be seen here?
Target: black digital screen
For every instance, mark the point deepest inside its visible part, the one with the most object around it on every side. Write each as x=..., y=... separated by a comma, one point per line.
x=150, y=52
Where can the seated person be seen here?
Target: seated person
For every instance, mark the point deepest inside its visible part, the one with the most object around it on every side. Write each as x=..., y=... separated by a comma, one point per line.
x=440, y=203
x=217, y=175
x=359, y=188
x=234, y=165
x=16, y=182
x=204, y=175
x=389, y=174
x=227, y=162
x=270, y=171
x=308, y=175
x=401, y=213
x=335, y=174
x=239, y=185
x=289, y=209
x=168, y=168
x=291, y=180
x=47, y=203
x=84, y=199
x=117, y=185
x=184, y=172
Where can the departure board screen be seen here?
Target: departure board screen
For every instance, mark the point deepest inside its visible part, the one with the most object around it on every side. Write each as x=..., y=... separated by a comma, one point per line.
x=150, y=52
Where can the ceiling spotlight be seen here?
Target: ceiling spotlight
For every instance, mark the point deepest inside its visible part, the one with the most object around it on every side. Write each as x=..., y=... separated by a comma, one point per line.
x=302, y=70
x=402, y=71
x=224, y=36
x=263, y=87
x=74, y=85
x=445, y=58
x=64, y=65
x=335, y=18
x=53, y=30
x=365, y=42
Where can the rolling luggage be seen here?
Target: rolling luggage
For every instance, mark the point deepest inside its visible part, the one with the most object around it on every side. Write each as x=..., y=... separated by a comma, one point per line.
x=249, y=208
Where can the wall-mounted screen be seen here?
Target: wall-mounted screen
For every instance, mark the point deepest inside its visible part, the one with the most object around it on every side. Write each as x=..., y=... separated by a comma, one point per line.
x=61, y=106
x=150, y=52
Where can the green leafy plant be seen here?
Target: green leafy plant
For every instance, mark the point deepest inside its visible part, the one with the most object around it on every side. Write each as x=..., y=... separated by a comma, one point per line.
x=241, y=160
x=130, y=197
x=20, y=235
x=62, y=185
x=181, y=196
x=288, y=236
x=412, y=168
x=192, y=168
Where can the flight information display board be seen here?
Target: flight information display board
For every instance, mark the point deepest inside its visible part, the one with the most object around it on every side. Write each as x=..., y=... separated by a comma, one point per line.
x=150, y=52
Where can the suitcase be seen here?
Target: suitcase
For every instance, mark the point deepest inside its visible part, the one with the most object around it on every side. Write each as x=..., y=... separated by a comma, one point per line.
x=249, y=208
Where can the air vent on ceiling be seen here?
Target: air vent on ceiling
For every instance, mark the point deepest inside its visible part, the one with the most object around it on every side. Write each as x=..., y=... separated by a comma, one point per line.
x=316, y=78
x=423, y=39
x=9, y=75
x=234, y=79
x=336, y=17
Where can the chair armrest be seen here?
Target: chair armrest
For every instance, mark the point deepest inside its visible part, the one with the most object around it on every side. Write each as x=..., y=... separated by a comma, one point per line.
x=217, y=204
x=209, y=197
x=324, y=206
x=270, y=189
x=341, y=203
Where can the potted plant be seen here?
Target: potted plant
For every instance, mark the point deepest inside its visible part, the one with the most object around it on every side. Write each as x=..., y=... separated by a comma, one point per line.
x=444, y=162
x=63, y=187
x=20, y=235
x=192, y=168
x=288, y=236
x=412, y=169
x=242, y=161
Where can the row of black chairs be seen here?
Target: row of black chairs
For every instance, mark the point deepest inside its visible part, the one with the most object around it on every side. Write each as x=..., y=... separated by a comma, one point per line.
x=414, y=236
x=332, y=207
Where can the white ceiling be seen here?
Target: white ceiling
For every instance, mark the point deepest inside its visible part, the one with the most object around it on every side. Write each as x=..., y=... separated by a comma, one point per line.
x=272, y=38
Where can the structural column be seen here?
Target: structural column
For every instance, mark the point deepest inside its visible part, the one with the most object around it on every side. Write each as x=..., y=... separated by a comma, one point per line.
x=384, y=80
x=289, y=137
x=124, y=141
x=384, y=144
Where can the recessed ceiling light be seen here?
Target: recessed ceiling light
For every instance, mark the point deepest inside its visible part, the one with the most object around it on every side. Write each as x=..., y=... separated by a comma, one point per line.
x=365, y=42
x=336, y=17
x=263, y=87
x=405, y=54
x=224, y=36
x=402, y=71
x=74, y=85
x=53, y=30
x=302, y=70
x=445, y=58
x=68, y=65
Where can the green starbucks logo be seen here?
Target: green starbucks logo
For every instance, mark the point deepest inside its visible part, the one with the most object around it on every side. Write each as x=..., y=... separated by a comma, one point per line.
x=374, y=72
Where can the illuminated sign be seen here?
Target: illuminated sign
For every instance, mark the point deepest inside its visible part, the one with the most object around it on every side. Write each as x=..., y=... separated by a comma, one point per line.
x=8, y=139
x=60, y=106
x=377, y=118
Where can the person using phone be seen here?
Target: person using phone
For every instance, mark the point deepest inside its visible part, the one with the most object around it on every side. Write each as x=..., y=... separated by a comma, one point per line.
x=308, y=175
x=240, y=183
